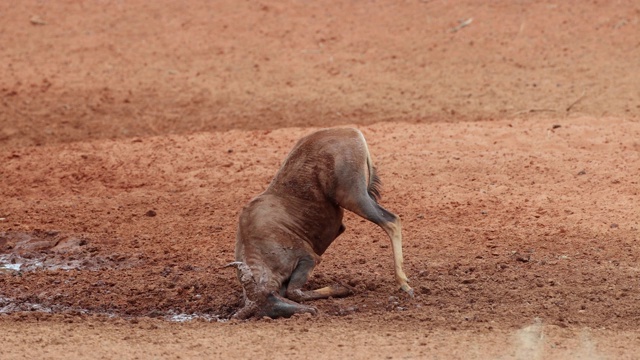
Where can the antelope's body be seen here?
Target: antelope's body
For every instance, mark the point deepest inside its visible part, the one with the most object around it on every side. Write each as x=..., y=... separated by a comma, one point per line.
x=283, y=232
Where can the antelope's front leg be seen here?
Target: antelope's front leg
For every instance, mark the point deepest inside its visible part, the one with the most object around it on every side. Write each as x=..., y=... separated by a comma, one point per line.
x=300, y=276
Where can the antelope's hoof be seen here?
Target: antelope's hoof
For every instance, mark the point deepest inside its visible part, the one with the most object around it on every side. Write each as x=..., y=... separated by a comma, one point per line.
x=339, y=290
x=408, y=289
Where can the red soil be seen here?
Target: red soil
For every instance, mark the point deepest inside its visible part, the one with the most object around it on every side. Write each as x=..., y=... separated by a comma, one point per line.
x=131, y=134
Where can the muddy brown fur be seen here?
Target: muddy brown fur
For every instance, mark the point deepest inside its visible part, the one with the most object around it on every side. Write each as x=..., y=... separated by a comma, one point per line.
x=283, y=232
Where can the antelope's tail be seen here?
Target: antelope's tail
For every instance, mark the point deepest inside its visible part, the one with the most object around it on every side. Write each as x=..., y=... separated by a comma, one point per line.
x=375, y=184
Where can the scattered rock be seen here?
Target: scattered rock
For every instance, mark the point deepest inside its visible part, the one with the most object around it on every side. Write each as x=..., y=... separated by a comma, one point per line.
x=37, y=20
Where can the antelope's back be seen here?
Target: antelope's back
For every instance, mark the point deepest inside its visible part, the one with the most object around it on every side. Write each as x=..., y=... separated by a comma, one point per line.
x=319, y=160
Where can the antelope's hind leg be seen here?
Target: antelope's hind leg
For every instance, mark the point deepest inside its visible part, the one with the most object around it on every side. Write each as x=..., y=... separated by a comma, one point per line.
x=358, y=200
x=300, y=276
x=392, y=226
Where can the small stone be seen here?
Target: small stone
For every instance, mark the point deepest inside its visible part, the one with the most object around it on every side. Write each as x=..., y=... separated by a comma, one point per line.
x=37, y=20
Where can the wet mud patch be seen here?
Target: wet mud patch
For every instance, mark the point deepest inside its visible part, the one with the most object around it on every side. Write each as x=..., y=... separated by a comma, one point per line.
x=52, y=250
x=53, y=272
x=13, y=306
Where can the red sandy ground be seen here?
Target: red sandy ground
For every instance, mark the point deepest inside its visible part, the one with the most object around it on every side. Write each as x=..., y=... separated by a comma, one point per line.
x=132, y=133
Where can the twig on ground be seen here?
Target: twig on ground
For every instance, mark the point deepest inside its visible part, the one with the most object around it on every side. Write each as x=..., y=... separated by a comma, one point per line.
x=576, y=101
x=462, y=25
x=533, y=111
